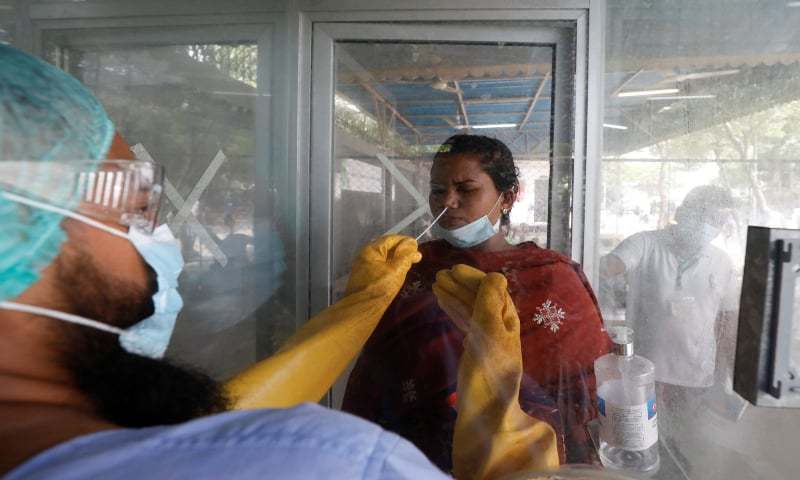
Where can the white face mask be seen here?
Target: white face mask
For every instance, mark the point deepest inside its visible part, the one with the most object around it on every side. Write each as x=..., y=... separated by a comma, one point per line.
x=709, y=233
x=149, y=337
x=471, y=234
x=698, y=233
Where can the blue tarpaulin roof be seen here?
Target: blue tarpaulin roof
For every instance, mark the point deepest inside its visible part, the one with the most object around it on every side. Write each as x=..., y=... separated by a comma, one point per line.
x=435, y=113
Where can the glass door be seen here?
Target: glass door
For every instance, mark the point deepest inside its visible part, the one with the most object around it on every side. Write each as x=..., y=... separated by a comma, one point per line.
x=385, y=97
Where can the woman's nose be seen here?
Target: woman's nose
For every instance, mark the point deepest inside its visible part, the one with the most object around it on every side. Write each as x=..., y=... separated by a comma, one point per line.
x=451, y=200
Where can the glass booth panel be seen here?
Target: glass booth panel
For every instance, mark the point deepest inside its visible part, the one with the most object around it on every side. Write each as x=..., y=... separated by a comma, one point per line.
x=195, y=106
x=395, y=100
x=688, y=107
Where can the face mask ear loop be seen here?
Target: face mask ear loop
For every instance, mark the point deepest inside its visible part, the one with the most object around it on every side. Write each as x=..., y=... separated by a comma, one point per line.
x=495, y=204
x=63, y=211
x=431, y=225
x=67, y=317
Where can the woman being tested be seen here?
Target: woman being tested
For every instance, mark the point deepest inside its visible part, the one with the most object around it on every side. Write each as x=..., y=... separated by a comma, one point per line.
x=406, y=377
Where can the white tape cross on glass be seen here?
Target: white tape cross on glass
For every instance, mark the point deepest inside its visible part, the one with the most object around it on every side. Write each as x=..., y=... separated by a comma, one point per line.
x=184, y=207
x=422, y=203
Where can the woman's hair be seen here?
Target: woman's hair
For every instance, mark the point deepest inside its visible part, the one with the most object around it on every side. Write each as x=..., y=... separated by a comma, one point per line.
x=495, y=159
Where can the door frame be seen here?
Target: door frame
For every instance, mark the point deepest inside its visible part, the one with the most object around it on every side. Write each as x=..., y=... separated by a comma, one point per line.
x=323, y=30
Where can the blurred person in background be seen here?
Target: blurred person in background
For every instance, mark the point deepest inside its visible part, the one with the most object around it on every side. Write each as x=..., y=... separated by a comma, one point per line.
x=680, y=295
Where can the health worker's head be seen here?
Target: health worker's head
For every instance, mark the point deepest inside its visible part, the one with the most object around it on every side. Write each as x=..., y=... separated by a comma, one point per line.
x=703, y=213
x=52, y=127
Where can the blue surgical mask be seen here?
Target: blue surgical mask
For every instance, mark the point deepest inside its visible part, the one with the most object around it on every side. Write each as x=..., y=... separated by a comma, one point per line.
x=471, y=234
x=161, y=250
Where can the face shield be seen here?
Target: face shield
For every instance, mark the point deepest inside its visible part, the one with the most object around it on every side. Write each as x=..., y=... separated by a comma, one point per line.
x=123, y=192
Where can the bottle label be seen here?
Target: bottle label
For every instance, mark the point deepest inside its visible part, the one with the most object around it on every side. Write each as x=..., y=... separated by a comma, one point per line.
x=632, y=427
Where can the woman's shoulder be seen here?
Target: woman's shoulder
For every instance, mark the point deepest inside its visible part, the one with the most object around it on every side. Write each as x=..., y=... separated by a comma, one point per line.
x=438, y=254
x=529, y=254
x=543, y=266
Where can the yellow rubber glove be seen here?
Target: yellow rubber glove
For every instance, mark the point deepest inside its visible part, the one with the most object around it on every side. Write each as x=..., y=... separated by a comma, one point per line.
x=306, y=367
x=493, y=436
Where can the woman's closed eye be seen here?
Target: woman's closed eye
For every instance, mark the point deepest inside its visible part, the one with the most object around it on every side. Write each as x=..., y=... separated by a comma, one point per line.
x=464, y=188
x=437, y=190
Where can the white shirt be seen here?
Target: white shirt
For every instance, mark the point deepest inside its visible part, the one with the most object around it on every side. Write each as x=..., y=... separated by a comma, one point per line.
x=673, y=303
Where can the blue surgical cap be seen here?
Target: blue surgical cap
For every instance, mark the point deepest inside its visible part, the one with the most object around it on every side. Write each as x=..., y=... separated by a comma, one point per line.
x=45, y=116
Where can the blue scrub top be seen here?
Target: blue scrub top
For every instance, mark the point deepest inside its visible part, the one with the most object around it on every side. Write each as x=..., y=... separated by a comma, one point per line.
x=305, y=442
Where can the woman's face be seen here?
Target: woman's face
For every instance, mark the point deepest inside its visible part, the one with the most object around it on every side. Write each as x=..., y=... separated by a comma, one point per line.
x=459, y=183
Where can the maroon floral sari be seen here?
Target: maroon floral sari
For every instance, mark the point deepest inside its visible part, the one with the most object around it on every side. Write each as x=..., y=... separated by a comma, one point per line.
x=405, y=379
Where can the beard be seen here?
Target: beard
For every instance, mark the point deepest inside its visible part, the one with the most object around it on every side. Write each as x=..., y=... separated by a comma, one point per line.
x=125, y=389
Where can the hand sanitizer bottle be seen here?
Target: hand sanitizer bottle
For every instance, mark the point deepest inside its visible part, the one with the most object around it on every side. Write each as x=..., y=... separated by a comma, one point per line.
x=626, y=399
